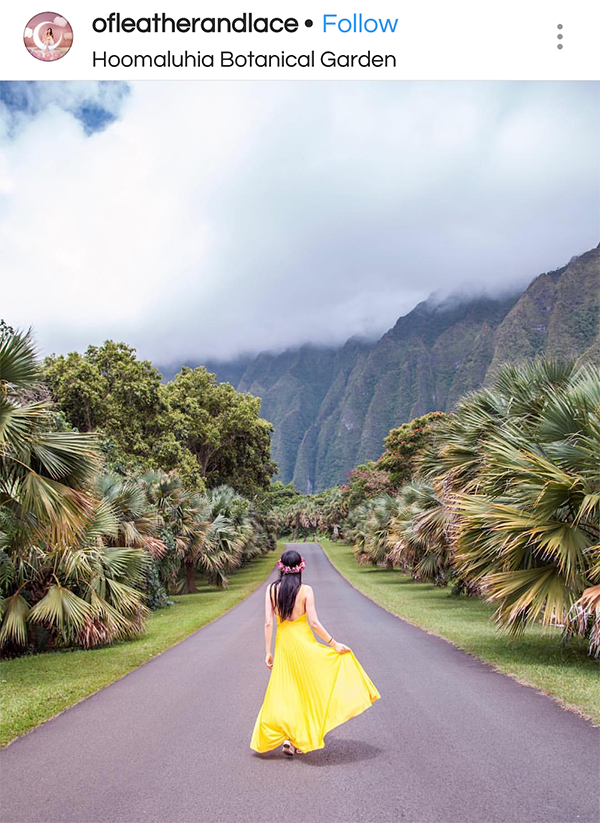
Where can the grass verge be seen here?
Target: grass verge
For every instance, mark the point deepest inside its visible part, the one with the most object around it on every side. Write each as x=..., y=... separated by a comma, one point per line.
x=37, y=687
x=537, y=659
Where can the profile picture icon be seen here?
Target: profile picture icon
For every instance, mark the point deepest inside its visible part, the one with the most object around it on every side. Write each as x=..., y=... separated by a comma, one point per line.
x=48, y=36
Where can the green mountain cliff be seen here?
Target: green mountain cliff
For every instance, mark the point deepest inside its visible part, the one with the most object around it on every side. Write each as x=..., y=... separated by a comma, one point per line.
x=332, y=408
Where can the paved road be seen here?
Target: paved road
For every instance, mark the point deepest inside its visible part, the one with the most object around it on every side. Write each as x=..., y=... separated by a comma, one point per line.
x=449, y=740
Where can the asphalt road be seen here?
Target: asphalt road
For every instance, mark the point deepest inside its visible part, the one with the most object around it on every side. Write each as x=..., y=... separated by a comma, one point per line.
x=449, y=741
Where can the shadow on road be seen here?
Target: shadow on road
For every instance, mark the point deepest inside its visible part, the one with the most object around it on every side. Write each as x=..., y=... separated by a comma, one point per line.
x=336, y=753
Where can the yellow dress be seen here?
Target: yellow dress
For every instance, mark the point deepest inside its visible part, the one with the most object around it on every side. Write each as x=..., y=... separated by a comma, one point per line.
x=311, y=690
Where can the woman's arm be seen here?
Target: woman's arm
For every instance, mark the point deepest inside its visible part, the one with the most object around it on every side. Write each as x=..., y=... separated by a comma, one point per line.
x=317, y=626
x=268, y=628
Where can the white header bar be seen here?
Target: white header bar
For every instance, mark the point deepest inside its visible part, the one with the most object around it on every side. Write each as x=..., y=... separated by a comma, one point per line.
x=309, y=40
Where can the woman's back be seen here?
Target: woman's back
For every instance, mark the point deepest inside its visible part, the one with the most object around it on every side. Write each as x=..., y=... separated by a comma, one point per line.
x=299, y=604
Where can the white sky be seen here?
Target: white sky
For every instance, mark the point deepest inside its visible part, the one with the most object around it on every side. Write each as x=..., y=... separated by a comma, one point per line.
x=213, y=218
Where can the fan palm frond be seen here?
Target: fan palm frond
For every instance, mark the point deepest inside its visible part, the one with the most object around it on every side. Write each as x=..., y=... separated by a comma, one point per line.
x=63, y=610
x=15, y=614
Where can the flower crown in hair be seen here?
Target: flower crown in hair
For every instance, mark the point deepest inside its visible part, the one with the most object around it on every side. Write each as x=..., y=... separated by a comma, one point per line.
x=291, y=569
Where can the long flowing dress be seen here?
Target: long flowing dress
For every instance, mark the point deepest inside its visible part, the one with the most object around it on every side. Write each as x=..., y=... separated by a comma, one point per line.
x=312, y=689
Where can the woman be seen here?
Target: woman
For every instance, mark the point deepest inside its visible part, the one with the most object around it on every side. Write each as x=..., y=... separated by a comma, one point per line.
x=48, y=41
x=312, y=688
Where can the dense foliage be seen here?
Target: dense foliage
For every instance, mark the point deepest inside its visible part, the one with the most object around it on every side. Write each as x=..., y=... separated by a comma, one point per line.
x=404, y=445
x=221, y=428
x=209, y=433
x=366, y=481
x=88, y=545
x=504, y=500
x=116, y=491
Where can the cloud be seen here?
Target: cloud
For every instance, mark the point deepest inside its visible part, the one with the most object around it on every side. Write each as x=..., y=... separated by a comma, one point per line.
x=68, y=35
x=28, y=32
x=208, y=219
x=60, y=21
x=92, y=103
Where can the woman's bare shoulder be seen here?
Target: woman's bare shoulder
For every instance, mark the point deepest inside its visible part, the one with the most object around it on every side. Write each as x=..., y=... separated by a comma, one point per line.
x=307, y=587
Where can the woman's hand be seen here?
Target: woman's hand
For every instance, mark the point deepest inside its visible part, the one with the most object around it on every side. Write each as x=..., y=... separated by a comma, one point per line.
x=341, y=648
x=269, y=660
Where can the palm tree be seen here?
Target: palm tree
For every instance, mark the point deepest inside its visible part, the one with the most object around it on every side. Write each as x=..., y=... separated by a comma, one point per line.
x=294, y=518
x=584, y=619
x=357, y=528
x=334, y=511
x=382, y=510
x=45, y=472
x=209, y=531
x=186, y=522
x=529, y=519
x=229, y=533
x=508, y=502
x=138, y=520
x=309, y=517
x=418, y=533
x=367, y=527
x=87, y=593
x=515, y=399
x=57, y=572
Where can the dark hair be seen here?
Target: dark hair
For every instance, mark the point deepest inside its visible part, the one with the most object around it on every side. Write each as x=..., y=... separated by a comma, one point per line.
x=49, y=30
x=287, y=586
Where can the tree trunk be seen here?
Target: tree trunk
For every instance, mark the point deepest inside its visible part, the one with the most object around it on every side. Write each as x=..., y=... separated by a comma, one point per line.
x=190, y=576
x=203, y=456
x=389, y=564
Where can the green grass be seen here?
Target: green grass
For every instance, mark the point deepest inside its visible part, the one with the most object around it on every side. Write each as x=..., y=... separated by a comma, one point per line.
x=37, y=687
x=537, y=658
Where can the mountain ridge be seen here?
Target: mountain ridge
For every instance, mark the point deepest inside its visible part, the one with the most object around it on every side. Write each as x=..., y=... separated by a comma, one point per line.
x=333, y=406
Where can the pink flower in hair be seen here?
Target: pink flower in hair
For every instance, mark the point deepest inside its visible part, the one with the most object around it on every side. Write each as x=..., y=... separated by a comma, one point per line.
x=291, y=569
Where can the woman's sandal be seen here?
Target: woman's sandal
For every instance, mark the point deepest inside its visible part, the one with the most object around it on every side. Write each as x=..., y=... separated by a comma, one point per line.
x=289, y=749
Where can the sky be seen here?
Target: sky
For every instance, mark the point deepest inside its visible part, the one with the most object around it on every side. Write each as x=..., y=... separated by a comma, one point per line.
x=205, y=220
